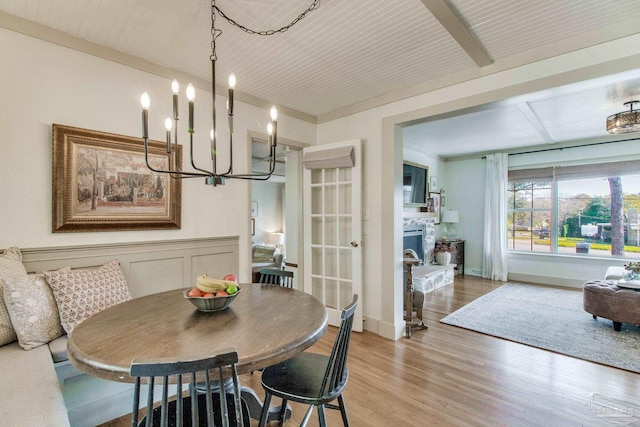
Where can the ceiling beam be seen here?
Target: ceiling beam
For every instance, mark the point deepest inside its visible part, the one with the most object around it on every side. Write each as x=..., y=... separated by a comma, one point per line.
x=533, y=118
x=443, y=13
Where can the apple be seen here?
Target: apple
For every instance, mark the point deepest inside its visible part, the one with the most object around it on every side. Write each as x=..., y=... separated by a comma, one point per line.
x=221, y=294
x=230, y=277
x=208, y=295
x=195, y=292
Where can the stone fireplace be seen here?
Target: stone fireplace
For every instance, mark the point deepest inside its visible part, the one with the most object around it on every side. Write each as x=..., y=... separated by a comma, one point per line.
x=428, y=227
x=429, y=276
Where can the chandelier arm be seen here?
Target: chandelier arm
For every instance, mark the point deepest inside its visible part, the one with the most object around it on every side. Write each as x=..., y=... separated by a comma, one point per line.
x=259, y=176
x=172, y=172
x=204, y=171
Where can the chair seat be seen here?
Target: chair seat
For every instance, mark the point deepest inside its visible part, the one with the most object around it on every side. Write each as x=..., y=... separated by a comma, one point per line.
x=202, y=412
x=299, y=379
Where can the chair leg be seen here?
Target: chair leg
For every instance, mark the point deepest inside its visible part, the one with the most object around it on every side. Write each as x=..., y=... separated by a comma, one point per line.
x=307, y=415
x=321, y=418
x=265, y=410
x=343, y=411
x=283, y=411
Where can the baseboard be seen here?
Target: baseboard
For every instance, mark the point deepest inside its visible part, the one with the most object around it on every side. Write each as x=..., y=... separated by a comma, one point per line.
x=546, y=280
x=371, y=325
x=391, y=331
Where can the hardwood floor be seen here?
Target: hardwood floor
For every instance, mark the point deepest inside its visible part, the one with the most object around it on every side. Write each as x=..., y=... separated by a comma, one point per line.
x=448, y=376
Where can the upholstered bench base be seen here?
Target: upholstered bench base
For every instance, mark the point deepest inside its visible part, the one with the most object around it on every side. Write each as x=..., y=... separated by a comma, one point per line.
x=603, y=298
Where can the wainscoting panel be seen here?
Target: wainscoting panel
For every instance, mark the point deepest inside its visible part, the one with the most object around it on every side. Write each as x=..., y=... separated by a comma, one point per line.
x=149, y=267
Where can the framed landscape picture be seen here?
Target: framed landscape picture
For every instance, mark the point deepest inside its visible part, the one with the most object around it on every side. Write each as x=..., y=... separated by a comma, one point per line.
x=101, y=183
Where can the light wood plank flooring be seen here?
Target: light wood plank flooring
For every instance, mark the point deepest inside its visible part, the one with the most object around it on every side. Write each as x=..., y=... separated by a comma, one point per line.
x=448, y=376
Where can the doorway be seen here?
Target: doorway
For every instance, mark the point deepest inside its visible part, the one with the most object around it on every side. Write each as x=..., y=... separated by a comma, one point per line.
x=276, y=203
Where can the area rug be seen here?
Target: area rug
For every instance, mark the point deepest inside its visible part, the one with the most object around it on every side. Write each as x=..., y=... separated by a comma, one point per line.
x=551, y=319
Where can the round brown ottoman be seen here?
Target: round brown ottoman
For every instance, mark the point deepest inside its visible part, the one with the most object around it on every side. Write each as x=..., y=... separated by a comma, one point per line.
x=605, y=299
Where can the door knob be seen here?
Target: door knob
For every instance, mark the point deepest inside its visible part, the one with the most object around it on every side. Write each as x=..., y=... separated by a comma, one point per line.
x=354, y=244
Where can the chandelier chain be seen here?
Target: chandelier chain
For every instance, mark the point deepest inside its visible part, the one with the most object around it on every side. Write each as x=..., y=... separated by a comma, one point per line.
x=314, y=5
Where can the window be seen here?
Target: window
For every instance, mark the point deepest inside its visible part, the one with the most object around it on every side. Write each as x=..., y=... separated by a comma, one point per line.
x=589, y=210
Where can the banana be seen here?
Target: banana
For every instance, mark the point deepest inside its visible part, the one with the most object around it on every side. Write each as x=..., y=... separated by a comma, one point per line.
x=208, y=284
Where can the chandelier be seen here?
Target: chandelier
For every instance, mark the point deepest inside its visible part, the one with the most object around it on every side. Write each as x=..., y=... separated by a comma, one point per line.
x=211, y=175
x=625, y=121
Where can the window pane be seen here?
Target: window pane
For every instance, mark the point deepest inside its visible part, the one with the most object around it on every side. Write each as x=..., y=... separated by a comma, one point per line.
x=596, y=217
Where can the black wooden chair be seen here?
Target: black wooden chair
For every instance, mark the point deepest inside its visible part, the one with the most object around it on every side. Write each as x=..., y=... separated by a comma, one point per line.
x=207, y=405
x=273, y=276
x=312, y=379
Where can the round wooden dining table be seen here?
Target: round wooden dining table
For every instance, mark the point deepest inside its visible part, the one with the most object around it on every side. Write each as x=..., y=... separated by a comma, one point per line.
x=265, y=324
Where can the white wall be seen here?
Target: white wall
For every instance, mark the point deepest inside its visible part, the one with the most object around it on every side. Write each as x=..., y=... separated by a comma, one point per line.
x=44, y=83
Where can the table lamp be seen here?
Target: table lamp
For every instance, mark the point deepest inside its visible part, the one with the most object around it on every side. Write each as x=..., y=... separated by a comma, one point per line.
x=449, y=218
x=277, y=240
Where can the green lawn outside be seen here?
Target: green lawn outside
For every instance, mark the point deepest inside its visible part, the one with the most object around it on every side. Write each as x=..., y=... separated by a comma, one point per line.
x=570, y=242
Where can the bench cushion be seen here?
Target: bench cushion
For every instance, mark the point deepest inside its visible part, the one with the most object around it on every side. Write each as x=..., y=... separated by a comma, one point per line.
x=30, y=379
x=58, y=349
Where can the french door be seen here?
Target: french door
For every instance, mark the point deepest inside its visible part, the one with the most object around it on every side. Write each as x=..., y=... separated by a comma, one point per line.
x=333, y=230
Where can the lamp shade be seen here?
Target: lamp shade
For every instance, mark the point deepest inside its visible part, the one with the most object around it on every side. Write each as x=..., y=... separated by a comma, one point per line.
x=450, y=216
x=624, y=122
x=276, y=238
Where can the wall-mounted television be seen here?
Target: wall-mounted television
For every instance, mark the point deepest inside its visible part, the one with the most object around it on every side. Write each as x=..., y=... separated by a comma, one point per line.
x=414, y=184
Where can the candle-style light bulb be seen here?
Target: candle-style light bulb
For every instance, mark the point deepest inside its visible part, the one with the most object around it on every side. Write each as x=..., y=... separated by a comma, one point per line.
x=175, y=88
x=191, y=92
x=145, y=101
x=270, y=138
x=168, y=125
x=232, y=86
x=274, y=120
x=191, y=95
x=211, y=134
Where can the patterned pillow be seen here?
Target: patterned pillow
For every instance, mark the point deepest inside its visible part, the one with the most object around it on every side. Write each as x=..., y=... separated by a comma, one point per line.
x=81, y=293
x=10, y=268
x=33, y=310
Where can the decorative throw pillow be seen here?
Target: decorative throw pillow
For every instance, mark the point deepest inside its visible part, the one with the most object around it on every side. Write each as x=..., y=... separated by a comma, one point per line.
x=33, y=310
x=81, y=293
x=10, y=268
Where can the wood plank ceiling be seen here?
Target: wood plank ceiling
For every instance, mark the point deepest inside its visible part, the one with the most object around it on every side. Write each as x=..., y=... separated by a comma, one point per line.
x=345, y=55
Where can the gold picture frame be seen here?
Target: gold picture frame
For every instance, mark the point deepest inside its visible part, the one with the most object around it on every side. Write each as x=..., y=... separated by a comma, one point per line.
x=101, y=183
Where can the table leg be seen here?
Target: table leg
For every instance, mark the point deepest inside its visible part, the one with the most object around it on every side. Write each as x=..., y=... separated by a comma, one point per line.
x=255, y=406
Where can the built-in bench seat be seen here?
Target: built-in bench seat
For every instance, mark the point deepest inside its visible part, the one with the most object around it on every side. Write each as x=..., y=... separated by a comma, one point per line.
x=32, y=395
x=41, y=387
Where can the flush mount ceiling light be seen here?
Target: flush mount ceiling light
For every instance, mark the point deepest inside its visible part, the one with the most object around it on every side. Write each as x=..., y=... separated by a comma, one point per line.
x=212, y=176
x=625, y=121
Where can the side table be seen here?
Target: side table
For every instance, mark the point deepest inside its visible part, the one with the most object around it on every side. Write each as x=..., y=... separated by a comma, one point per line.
x=458, y=256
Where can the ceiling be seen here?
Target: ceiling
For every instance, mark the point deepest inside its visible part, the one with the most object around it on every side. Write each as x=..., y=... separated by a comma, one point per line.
x=349, y=55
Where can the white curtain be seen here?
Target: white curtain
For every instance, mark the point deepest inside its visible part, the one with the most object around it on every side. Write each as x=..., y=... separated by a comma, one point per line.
x=494, y=262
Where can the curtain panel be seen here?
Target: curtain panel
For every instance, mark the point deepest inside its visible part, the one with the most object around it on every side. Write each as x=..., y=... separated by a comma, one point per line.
x=494, y=262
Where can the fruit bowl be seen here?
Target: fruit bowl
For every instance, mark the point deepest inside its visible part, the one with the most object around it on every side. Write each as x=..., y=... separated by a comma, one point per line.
x=211, y=303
